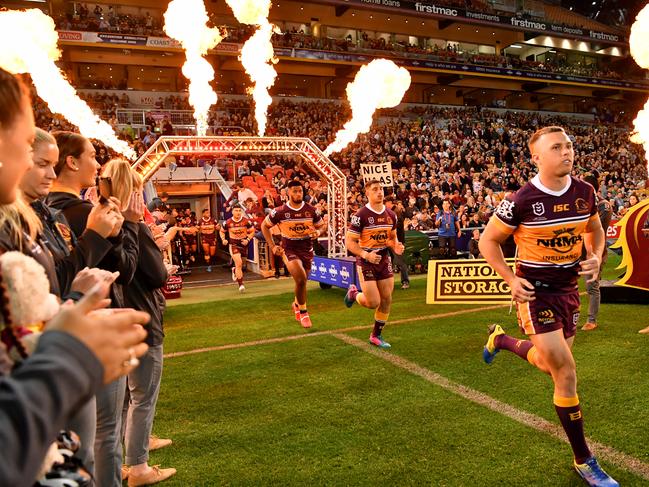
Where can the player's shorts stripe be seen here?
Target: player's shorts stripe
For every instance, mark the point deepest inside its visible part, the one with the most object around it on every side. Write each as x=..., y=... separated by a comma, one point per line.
x=525, y=317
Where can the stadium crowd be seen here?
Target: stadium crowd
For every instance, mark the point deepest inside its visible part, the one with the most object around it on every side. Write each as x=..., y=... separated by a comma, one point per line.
x=467, y=155
x=99, y=20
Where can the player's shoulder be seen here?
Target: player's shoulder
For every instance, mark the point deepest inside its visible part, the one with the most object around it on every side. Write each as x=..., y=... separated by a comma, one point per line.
x=390, y=214
x=581, y=186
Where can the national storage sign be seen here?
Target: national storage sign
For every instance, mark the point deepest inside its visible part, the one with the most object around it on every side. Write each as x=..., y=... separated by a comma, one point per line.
x=470, y=281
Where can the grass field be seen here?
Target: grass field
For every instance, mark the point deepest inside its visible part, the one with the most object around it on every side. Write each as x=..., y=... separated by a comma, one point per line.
x=272, y=404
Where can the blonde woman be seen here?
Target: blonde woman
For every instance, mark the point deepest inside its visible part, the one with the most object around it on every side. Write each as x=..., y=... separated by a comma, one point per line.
x=144, y=293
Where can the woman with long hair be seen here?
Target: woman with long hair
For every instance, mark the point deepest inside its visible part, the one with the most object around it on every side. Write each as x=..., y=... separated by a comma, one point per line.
x=76, y=169
x=144, y=293
x=79, y=348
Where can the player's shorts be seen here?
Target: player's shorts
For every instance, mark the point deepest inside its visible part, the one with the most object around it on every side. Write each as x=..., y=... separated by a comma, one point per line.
x=190, y=239
x=236, y=247
x=304, y=256
x=550, y=312
x=209, y=240
x=375, y=272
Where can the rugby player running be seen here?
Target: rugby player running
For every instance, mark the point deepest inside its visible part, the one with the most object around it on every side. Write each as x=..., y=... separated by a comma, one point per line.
x=551, y=218
x=299, y=224
x=372, y=232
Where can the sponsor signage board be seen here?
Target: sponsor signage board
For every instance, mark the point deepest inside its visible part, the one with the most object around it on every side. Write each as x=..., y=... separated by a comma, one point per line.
x=335, y=272
x=470, y=281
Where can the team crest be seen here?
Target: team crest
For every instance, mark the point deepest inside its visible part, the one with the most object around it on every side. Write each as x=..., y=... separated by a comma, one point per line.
x=538, y=208
x=64, y=230
x=371, y=220
x=581, y=205
x=287, y=215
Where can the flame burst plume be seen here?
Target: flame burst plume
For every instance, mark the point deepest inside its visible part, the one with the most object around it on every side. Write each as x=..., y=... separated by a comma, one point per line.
x=379, y=84
x=186, y=21
x=257, y=55
x=29, y=41
x=639, y=42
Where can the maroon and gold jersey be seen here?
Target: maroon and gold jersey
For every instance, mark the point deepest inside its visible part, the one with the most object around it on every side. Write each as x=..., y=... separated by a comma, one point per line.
x=296, y=225
x=373, y=229
x=236, y=231
x=208, y=226
x=548, y=228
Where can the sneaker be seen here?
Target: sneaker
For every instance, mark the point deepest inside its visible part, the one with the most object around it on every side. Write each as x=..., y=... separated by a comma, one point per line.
x=234, y=274
x=350, y=297
x=242, y=288
x=209, y=268
x=276, y=274
x=156, y=443
x=490, y=350
x=379, y=342
x=594, y=475
x=305, y=321
x=153, y=476
x=405, y=285
x=589, y=326
x=296, y=310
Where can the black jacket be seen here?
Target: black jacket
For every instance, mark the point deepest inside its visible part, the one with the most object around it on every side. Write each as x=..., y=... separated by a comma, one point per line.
x=38, y=399
x=70, y=254
x=144, y=293
x=124, y=253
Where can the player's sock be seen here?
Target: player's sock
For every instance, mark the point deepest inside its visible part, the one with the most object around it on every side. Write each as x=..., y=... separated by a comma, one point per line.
x=523, y=348
x=240, y=281
x=569, y=413
x=379, y=322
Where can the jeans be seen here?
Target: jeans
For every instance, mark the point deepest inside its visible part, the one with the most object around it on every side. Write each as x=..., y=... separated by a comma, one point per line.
x=401, y=262
x=593, y=300
x=84, y=424
x=144, y=386
x=447, y=247
x=108, y=447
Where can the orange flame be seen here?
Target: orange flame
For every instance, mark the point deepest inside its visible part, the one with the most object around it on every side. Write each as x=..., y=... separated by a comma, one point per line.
x=33, y=37
x=257, y=54
x=186, y=21
x=639, y=43
x=379, y=84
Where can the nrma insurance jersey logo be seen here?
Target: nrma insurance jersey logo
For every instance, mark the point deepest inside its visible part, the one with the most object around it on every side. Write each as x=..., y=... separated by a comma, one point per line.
x=379, y=237
x=563, y=242
x=299, y=228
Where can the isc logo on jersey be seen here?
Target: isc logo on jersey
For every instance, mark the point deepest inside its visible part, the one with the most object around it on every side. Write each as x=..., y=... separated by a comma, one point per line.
x=563, y=242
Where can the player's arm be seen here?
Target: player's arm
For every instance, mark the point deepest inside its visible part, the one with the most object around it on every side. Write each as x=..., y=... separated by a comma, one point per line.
x=250, y=234
x=594, y=240
x=490, y=248
x=266, y=225
x=223, y=235
x=320, y=230
x=394, y=244
x=352, y=242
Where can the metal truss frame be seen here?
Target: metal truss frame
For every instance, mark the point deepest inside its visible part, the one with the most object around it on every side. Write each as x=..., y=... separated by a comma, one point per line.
x=336, y=181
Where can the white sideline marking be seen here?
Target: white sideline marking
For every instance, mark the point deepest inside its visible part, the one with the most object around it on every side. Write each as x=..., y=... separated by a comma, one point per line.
x=605, y=452
x=232, y=346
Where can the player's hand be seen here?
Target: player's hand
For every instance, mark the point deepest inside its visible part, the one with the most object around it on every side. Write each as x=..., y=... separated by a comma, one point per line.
x=244, y=242
x=225, y=241
x=314, y=235
x=522, y=290
x=590, y=268
x=399, y=248
x=277, y=250
x=372, y=257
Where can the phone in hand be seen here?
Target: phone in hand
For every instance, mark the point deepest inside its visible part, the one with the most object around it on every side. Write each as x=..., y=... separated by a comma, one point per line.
x=105, y=189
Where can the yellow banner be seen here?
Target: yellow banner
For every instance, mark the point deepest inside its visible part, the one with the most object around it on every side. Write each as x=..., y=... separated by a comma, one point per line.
x=470, y=281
